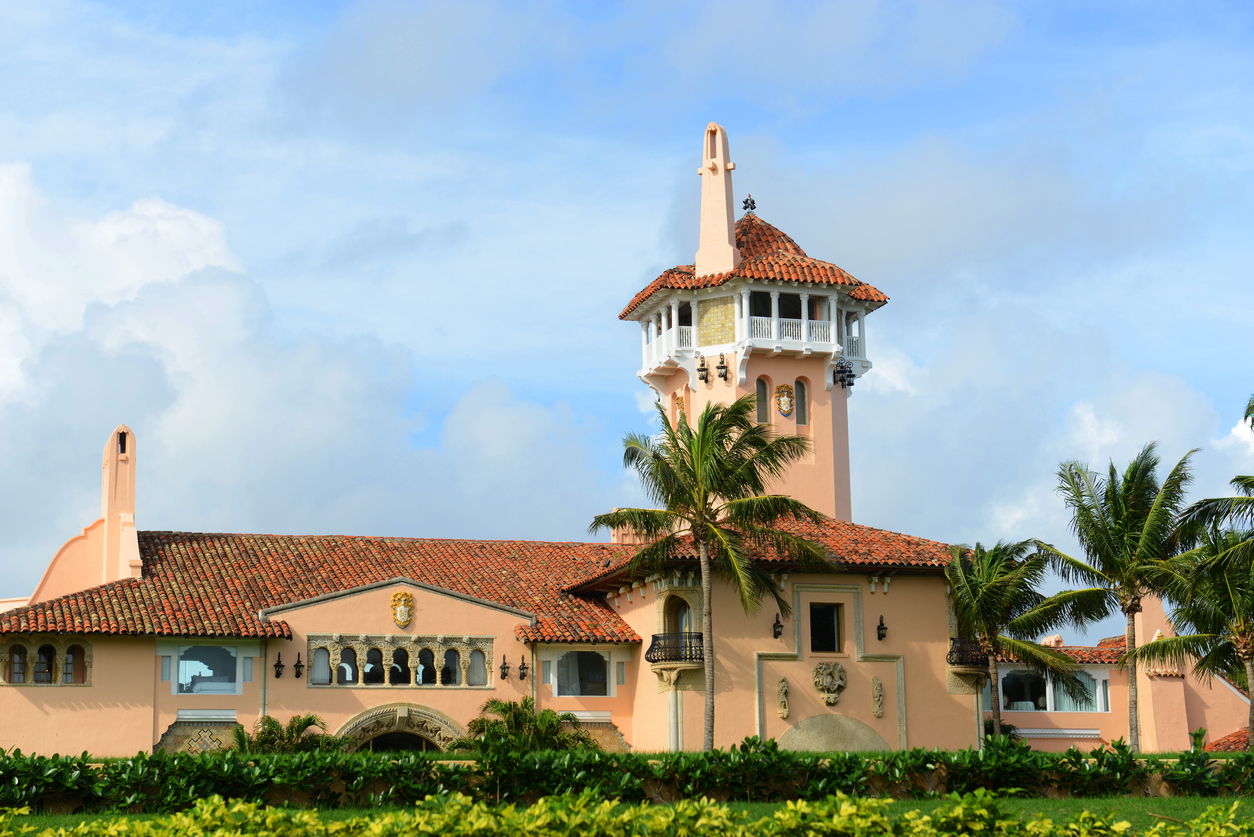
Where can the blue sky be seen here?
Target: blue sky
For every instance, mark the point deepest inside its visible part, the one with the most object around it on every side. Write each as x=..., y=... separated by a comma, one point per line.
x=356, y=267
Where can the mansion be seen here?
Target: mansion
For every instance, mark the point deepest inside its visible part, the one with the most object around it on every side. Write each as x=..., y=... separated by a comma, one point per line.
x=139, y=640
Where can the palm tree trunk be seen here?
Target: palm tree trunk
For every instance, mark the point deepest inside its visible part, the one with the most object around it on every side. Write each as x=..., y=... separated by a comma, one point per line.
x=1249, y=678
x=1134, y=722
x=707, y=641
x=994, y=693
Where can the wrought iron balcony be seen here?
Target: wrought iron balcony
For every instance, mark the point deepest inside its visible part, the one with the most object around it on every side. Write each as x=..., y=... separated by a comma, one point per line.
x=675, y=648
x=966, y=655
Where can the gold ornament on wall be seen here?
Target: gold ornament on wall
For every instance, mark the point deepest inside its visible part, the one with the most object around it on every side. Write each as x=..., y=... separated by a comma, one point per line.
x=679, y=406
x=785, y=400
x=402, y=608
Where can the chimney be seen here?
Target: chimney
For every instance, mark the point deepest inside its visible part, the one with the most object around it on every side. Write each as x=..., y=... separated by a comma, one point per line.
x=117, y=507
x=1054, y=641
x=716, y=252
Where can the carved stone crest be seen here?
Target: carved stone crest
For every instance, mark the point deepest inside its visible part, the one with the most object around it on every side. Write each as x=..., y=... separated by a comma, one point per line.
x=781, y=689
x=784, y=399
x=402, y=608
x=830, y=680
x=877, y=697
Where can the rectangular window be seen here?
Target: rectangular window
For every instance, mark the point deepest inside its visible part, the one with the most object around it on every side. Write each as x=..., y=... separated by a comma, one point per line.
x=803, y=403
x=207, y=670
x=546, y=672
x=165, y=669
x=1023, y=691
x=248, y=669
x=582, y=673
x=621, y=673
x=825, y=632
x=1105, y=695
x=1065, y=703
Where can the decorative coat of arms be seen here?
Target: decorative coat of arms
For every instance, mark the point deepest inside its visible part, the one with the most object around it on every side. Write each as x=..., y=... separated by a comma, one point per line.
x=784, y=399
x=402, y=608
x=829, y=679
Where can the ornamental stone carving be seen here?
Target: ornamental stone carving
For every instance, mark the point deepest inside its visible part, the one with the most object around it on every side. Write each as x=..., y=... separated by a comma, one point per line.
x=432, y=725
x=413, y=646
x=830, y=680
x=781, y=690
x=877, y=697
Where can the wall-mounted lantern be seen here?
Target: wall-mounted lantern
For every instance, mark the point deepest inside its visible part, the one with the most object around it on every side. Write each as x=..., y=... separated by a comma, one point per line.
x=504, y=668
x=522, y=669
x=843, y=374
x=278, y=665
x=299, y=668
x=881, y=630
x=777, y=630
x=722, y=367
x=703, y=371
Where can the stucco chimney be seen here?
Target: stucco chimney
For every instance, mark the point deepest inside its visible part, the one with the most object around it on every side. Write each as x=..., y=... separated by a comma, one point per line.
x=117, y=507
x=716, y=251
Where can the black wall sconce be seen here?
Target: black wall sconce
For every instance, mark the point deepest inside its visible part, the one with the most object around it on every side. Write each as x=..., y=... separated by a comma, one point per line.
x=504, y=668
x=843, y=374
x=777, y=629
x=278, y=665
x=881, y=630
x=722, y=367
x=522, y=669
x=299, y=668
x=703, y=371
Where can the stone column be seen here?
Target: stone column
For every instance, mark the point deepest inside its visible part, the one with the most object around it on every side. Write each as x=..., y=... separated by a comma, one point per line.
x=774, y=315
x=805, y=317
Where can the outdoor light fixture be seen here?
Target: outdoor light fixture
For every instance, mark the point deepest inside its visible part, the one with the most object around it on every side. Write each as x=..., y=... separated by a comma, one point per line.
x=278, y=665
x=299, y=668
x=504, y=668
x=843, y=374
x=778, y=628
x=522, y=669
x=703, y=371
x=881, y=630
x=722, y=367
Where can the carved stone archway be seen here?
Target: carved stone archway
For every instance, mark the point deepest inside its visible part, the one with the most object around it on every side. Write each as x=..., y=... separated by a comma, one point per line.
x=414, y=718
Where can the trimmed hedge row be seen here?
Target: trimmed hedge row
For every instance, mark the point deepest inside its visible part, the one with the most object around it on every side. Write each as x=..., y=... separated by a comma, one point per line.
x=753, y=771
x=457, y=815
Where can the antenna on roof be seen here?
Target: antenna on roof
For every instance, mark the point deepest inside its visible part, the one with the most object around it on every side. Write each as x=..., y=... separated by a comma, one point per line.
x=750, y=204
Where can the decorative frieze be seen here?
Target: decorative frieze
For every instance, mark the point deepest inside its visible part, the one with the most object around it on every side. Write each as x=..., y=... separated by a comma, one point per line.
x=45, y=660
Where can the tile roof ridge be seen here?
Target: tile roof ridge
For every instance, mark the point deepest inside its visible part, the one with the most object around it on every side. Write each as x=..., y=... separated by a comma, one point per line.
x=378, y=538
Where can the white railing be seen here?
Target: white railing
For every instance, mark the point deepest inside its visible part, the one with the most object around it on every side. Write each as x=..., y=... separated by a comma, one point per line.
x=853, y=346
x=789, y=329
x=669, y=337
x=760, y=327
x=685, y=337
x=820, y=331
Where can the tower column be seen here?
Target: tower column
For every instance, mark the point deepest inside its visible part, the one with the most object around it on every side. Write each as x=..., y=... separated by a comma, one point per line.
x=805, y=317
x=747, y=327
x=673, y=340
x=644, y=345
x=774, y=315
x=834, y=318
x=862, y=332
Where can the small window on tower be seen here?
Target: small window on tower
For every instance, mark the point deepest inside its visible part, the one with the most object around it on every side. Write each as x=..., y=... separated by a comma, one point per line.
x=803, y=402
x=764, y=401
x=122, y=442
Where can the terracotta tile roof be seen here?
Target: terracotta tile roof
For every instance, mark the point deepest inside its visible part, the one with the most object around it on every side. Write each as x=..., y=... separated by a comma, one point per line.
x=766, y=253
x=1106, y=652
x=1120, y=641
x=848, y=544
x=1233, y=742
x=214, y=584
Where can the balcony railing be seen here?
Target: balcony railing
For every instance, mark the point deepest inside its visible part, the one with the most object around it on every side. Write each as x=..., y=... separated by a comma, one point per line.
x=789, y=329
x=820, y=331
x=966, y=654
x=853, y=346
x=685, y=337
x=675, y=648
x=760, y=328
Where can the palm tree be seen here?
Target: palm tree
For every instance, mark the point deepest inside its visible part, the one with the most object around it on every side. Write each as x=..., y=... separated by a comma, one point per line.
x=521, y=727
x=1213, y=611
x=270, y=736
x=1127, y=526
x=1205, y=515
x=998, y=607
x=711, y=482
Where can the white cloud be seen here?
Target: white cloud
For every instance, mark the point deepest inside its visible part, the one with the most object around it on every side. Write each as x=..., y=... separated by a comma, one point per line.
x=1240, y=438
x=1090, y=434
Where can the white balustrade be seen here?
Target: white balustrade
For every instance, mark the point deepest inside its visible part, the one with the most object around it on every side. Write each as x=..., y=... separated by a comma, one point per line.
x=853, y=346
x=789, y=329
x=760, y=328
x=685, y=337
x=670, y=341
x=820, y=331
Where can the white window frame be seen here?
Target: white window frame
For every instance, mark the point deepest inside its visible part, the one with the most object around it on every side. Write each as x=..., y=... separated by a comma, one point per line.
x=550, y=654
x=1098, y=675
x=243, y=649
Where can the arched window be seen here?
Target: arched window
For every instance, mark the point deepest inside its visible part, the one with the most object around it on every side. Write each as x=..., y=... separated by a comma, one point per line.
x=75, y=669
x=764, y=401
x=347, y=674
x=44, y=663
x=451, y=674
x=320, y=671
x=373, y=671
x=477, y=674
x=678, y=616
x=802, y=395
x=426, y=668
x=17, y=664
x=398, y=674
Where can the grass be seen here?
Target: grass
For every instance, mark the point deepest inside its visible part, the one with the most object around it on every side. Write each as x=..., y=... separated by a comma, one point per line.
x=1143, y=813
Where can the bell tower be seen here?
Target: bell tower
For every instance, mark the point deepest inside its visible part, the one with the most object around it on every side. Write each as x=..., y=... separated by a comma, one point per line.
x=755, y=314
x=117, y=507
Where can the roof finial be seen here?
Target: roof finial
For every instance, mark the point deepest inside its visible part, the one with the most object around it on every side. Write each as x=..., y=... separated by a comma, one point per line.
x=717, y=252
x=750, y=204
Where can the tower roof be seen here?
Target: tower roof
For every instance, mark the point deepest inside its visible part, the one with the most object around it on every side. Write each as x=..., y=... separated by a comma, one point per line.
x=767, y=254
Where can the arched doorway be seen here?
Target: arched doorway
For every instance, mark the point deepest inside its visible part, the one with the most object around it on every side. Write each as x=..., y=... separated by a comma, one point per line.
x=399, y=742
x=410, y=719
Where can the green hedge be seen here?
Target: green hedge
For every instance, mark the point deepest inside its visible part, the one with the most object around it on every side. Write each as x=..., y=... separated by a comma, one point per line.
x=457, y=815
x=754, y=771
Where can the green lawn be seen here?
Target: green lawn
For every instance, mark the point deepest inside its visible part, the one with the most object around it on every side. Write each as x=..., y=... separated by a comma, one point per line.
x=1139, y=811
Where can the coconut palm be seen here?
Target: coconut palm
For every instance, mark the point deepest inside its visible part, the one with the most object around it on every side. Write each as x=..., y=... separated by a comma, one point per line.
x=1205, y=515
x=711, y=483
x=270, y=736
x=519, y=726
x=999, y=608
x=1126, y=524
x=1212, y=613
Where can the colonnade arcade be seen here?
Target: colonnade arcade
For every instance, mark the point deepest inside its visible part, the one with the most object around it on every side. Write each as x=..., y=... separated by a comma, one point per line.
x=360, y=660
